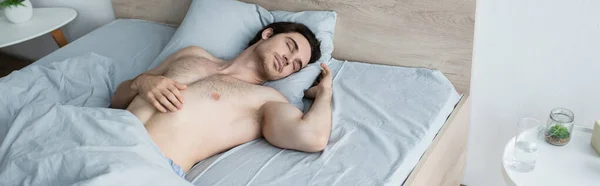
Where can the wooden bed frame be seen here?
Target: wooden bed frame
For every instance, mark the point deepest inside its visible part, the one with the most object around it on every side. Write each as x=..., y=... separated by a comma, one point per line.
x=432, y=34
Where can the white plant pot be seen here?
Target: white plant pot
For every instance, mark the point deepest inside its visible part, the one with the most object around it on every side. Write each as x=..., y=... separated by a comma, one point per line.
x=19, y=14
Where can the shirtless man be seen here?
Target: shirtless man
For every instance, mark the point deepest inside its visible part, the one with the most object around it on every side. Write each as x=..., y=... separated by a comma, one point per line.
x=225, y=105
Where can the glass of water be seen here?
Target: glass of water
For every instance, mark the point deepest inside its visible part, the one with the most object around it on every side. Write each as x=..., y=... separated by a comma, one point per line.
x=526, y=145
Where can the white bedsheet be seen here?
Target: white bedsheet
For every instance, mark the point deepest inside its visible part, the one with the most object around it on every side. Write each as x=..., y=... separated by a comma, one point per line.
x=384, y=119
x=57, y=138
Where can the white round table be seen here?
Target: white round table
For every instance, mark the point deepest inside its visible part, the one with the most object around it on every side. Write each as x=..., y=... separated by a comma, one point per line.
x=43, y=21
x=575, y=164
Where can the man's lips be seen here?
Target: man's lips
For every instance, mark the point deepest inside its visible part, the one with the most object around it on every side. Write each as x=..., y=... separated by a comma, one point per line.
x=278, y=62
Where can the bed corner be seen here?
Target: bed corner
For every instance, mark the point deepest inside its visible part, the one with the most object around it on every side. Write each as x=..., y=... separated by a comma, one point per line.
x=444, y=161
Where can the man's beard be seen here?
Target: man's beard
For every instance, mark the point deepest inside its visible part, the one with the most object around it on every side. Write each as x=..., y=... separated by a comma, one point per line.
x=261, y=67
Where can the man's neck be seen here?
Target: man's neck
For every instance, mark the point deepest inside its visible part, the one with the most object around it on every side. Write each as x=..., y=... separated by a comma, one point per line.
x=244, y=67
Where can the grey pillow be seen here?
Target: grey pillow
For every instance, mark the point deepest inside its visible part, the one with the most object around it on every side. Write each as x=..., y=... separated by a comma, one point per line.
x=224, y=28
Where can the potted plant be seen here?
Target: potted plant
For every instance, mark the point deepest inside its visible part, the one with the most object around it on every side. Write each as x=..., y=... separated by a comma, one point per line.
x=17, y=11
x=558, y=135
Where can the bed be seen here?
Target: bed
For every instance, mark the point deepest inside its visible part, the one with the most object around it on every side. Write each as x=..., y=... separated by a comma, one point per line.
x=436, y=37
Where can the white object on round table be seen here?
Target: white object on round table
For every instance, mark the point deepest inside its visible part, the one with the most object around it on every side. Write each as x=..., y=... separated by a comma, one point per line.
x=575, y=164
x=44, y=20
x=19, y=13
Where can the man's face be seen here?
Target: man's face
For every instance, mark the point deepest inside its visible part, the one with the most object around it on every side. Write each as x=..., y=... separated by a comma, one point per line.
x=282, y=54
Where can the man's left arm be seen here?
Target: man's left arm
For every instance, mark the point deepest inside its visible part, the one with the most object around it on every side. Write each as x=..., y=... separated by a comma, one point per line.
x=285, y=126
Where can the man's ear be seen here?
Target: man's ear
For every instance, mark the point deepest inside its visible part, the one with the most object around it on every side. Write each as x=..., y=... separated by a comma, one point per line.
x=267, y=33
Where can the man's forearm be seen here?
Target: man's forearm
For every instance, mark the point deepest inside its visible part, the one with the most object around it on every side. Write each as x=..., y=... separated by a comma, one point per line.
x=285, y=126
x=123, y=96
x=319, y=115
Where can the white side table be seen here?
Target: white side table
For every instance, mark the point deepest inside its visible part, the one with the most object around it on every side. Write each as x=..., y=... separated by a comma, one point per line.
x=575, y=164
x=43, y=21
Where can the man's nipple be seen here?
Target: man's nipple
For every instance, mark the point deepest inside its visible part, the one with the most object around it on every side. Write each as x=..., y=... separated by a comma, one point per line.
x=215, y=96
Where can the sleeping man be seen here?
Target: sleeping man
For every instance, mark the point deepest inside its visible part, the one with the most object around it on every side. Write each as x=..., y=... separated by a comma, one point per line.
x=194, y=105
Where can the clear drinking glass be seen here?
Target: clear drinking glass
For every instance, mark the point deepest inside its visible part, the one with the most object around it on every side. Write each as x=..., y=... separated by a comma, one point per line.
x=526, y=141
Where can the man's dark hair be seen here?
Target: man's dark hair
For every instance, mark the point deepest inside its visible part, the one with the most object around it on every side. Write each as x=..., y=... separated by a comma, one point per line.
x=287, y=27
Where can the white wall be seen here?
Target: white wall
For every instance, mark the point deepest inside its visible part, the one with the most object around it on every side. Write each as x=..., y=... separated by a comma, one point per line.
x=529, y=57
x=91, y=14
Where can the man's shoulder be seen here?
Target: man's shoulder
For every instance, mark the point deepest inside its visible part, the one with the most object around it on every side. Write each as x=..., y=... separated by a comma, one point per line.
x=273, y=94
x=197, y=51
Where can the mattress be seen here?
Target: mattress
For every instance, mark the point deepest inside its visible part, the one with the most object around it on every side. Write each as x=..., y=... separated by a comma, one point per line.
x=384, y=117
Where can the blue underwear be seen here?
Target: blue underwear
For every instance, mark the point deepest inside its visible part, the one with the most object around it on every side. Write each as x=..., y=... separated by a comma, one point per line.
x=176, y=168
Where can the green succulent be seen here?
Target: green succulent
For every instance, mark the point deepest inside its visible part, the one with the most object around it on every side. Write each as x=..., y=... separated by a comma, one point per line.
x=559, y=131
x=9, y=3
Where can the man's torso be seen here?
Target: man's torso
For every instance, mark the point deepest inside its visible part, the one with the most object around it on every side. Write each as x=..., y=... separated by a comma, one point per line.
x=219, y=112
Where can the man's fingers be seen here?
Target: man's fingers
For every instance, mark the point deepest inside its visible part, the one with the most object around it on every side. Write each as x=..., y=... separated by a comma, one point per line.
x=179, y=85
x=326, y=75
x=163, y=100
x=150, y=98
x=158, y=106
x=172, y=99
x=326, y=68
x=177, y=94
x=323, y=65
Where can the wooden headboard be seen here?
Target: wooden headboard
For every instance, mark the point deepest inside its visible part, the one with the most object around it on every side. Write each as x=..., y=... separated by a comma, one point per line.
x=435, y=34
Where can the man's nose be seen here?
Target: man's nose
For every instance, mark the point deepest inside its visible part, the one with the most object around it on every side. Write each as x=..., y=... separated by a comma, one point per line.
x=286, y=60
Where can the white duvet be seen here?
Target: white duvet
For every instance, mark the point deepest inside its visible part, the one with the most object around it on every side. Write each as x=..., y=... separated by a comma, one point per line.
x=82, y=81
x=58, y=134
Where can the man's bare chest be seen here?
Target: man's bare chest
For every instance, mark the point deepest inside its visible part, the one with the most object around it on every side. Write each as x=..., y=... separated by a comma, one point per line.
x=187, y=70
x=205, y=81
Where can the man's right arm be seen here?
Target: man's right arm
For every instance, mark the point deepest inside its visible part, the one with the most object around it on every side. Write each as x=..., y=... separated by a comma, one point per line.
x=123, y=96
x=160, y=91
x=285, y=126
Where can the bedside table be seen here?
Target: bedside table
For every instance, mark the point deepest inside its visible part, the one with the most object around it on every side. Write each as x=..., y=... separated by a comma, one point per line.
x=43, y=21
x=573, y=164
